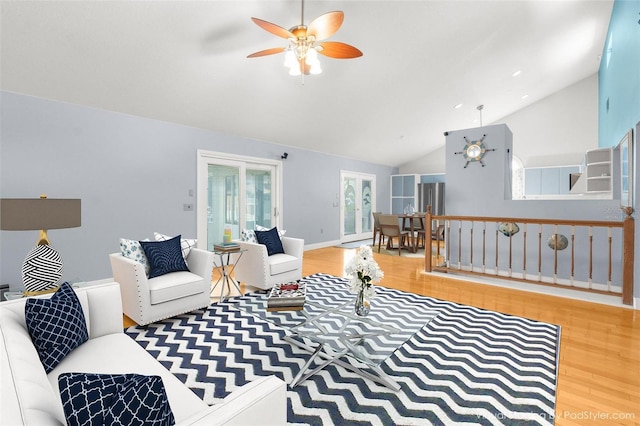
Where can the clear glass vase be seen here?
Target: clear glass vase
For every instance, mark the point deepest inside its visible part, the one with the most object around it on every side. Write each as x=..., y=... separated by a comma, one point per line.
x=363, y=304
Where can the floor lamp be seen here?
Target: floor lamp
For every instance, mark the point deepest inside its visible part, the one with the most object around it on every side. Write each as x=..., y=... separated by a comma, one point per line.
x=42, y=268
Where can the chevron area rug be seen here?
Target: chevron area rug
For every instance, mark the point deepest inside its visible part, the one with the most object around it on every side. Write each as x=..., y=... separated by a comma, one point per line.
x=467, y=365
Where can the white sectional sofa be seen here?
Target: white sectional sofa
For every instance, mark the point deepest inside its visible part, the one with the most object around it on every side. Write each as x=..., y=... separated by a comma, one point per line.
x=29, y=396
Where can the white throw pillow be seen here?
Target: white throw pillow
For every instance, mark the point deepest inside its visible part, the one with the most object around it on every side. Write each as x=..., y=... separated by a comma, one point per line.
x=185, y=244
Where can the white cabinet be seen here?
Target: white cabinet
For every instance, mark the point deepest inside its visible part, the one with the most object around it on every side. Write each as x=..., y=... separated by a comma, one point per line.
x=403, y=192
x=598, y=170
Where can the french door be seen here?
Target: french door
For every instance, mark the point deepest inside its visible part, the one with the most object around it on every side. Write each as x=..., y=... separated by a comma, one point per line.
x=235, y=192
x=358, y=202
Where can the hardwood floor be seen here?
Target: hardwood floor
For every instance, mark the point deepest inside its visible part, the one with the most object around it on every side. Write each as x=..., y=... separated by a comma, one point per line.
x=599, y=371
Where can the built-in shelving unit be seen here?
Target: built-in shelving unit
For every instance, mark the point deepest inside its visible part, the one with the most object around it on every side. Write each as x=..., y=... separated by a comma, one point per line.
x=403, y=192
x=598, y=170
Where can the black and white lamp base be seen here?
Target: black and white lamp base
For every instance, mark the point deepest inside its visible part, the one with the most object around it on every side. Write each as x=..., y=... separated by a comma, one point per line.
x=41, y=270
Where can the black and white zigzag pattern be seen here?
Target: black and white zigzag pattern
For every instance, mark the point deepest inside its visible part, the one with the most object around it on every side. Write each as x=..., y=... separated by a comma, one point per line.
x=42, y=268
x=467, y=365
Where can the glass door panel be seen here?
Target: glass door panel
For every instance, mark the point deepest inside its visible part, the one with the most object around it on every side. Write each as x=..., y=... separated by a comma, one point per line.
x=259, y=203
x=366, y=207
x=223, y=202
x=349, y=203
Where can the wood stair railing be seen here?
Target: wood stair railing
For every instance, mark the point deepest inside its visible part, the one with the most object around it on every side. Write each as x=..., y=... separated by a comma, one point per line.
x=600, y=260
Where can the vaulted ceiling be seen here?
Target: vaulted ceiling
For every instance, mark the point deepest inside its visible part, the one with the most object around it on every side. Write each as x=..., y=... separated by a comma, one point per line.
x=185, y=62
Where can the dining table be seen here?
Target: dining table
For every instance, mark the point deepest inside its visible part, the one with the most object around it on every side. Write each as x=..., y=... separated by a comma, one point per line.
x=412, y=228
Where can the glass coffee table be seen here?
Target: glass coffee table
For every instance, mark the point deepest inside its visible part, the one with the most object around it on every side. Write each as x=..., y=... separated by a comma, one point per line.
x=330, y=330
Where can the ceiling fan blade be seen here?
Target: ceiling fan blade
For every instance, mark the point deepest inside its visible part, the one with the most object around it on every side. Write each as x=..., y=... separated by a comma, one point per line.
x=266, y=52
x=273, y=28
x=326, y=25
x=335, y=49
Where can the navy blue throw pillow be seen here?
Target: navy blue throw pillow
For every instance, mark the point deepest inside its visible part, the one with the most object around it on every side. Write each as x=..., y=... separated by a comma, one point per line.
x=56, y=325
x=164, y=256
x=114, y=399
x=271, y=239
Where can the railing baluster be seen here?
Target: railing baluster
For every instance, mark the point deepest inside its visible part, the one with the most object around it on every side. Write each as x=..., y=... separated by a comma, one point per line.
x=590, y=256
x=609, y=276
x=573, y=258
x=524, y=251
x=484, y=246
x=510, y=253
x=555, y=253
x=438, y=239
x=540, y=252
x=459, y=243
x=448, y=243
x=471, y=247
x=496, y=249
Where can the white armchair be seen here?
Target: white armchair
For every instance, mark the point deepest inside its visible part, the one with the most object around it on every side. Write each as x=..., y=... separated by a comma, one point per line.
x=147, y=300
x=258, y=269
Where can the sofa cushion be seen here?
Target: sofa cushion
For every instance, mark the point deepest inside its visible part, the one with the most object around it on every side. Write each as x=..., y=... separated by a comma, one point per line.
x=126, y=399
x=271, y=240
x=174, y=286
x=57, y=325
x=164, y=256
x=133, y=250
x=281, y=263
x=185, y=244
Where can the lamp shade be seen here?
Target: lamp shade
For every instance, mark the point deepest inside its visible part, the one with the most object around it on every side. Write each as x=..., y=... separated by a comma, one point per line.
x=25, y=214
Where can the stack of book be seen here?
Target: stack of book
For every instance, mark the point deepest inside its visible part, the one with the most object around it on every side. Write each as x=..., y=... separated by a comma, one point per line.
x=287, y=297
x=224, y=247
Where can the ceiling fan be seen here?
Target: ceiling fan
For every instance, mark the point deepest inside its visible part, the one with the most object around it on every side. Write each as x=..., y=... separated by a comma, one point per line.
x=305, y=42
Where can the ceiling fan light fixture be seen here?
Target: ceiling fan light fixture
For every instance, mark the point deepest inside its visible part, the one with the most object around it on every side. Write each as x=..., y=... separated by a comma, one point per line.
x=301, y=55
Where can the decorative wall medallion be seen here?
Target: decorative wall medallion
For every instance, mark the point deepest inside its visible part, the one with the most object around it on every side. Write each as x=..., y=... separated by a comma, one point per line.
x=557, y=241
x=474, y=151
x=509, y=229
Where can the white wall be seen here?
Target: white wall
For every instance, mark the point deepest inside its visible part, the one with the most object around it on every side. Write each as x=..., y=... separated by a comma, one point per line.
x=554, y=131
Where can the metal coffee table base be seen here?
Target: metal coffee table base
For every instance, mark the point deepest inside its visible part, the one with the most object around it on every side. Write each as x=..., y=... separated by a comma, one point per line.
x=334, y=357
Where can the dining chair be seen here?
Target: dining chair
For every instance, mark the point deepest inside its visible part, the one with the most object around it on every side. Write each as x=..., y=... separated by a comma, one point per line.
x=390, y=228
x=376, y=227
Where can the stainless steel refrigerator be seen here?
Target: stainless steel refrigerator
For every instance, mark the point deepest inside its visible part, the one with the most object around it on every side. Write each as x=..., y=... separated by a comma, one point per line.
x=431, y=194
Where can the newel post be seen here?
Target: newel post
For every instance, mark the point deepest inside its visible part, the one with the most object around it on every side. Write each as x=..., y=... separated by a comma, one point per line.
x=429, y=235
x=628, y=236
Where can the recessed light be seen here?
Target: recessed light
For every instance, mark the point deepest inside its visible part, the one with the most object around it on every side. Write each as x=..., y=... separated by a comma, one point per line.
x=516, y=73
x=458, y=106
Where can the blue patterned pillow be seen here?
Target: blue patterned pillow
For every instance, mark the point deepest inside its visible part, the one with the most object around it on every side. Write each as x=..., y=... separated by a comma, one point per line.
x=249, y=235
x=114, y=399
x=133, y=250
x=164, y=256
x=56, y=325
x=271, y=240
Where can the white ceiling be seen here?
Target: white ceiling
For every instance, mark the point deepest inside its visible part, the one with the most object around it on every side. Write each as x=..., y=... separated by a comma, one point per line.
x=185, y=62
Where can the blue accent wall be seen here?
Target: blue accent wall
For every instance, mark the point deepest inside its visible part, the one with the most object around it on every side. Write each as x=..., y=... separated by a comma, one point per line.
x=619, y=74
